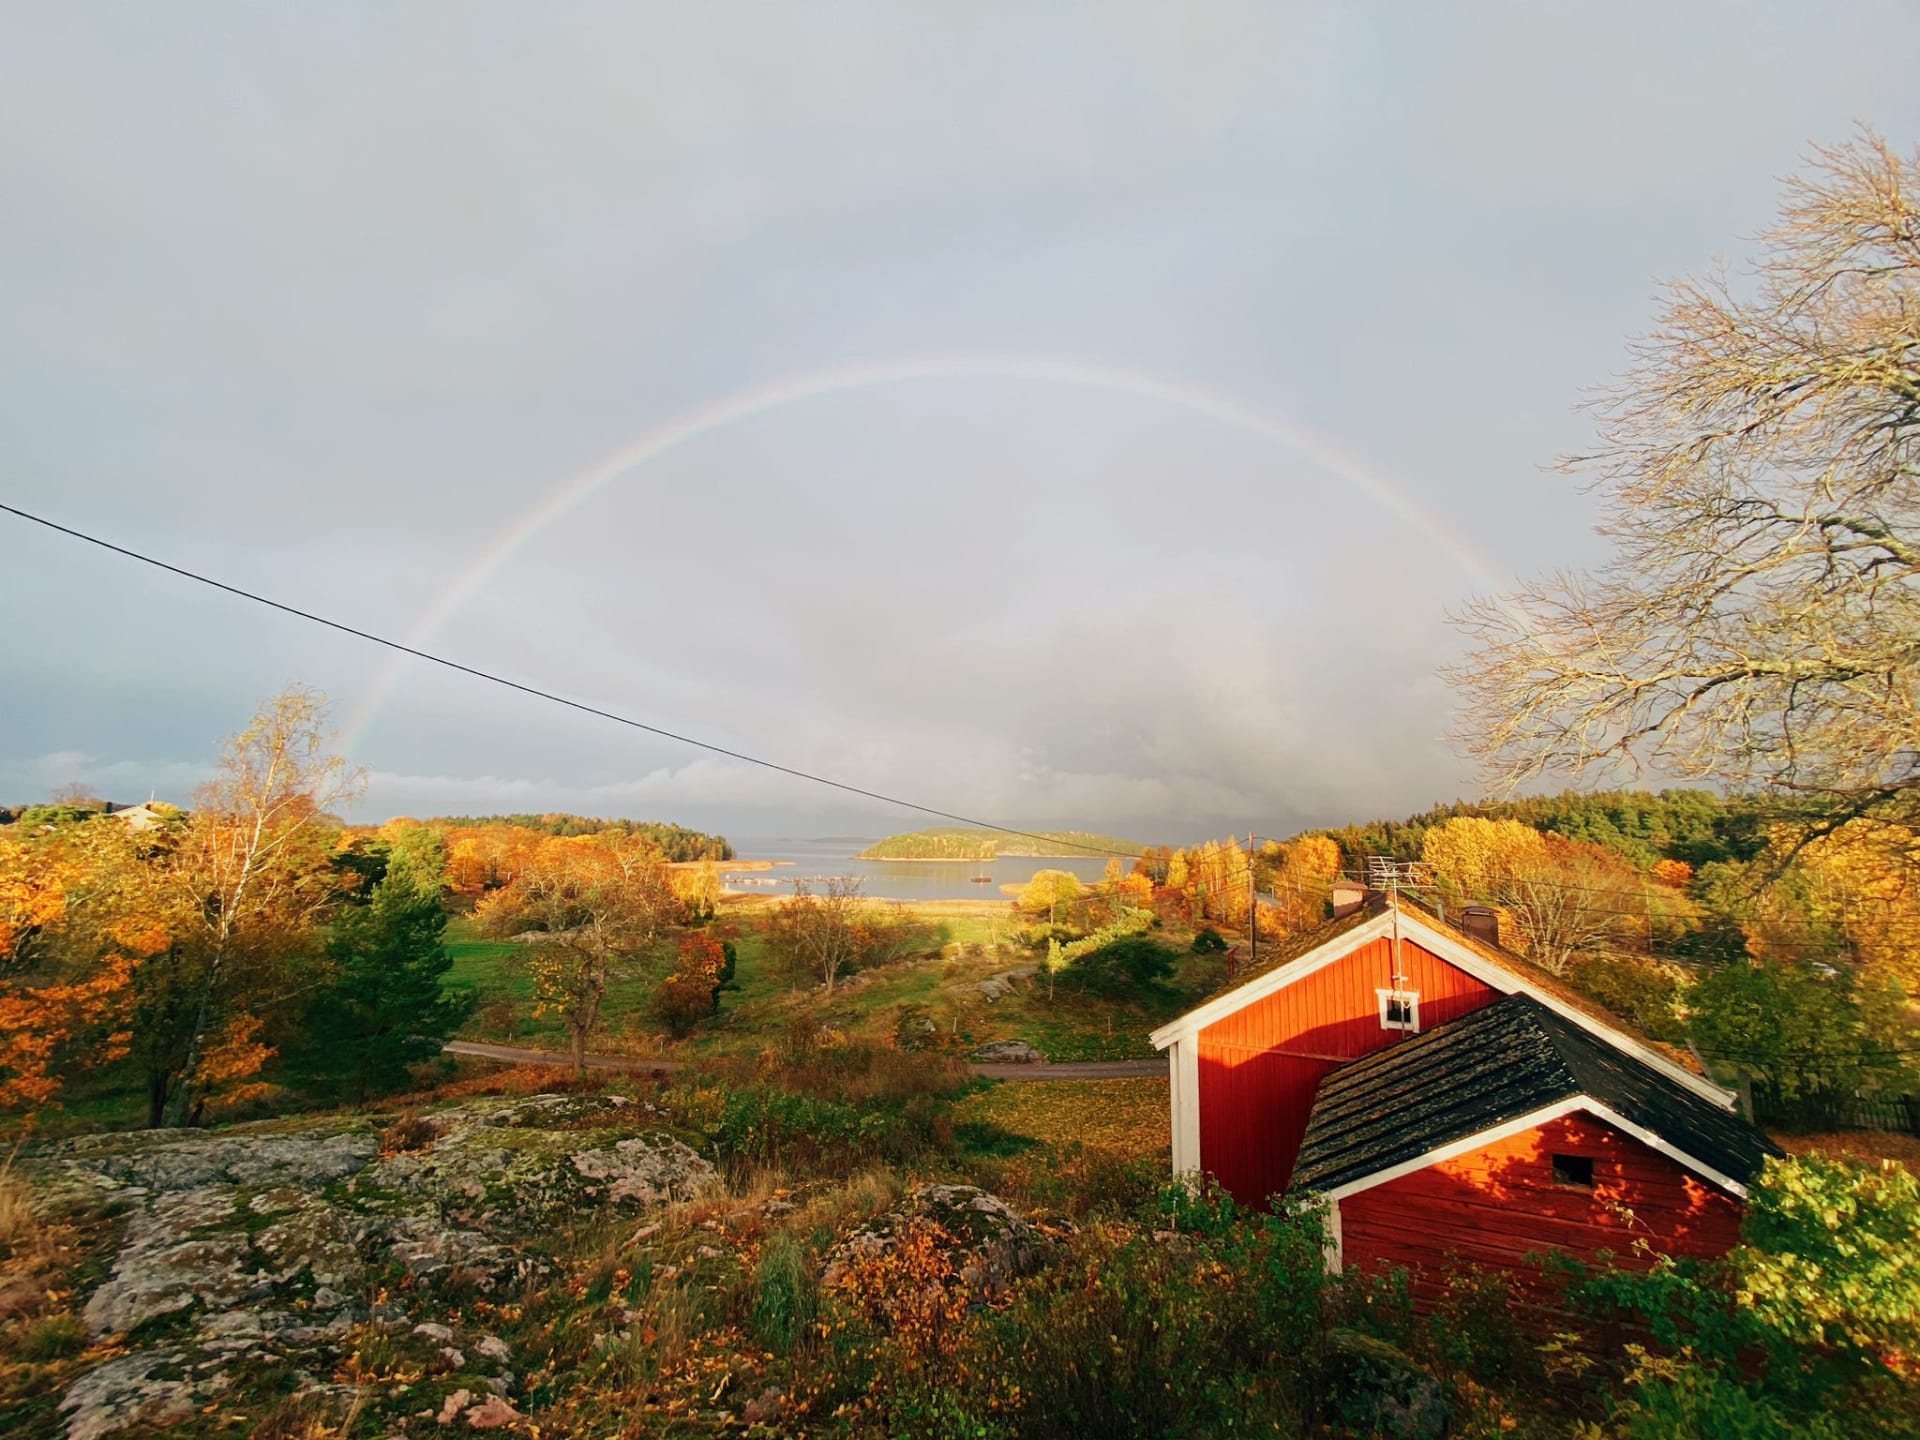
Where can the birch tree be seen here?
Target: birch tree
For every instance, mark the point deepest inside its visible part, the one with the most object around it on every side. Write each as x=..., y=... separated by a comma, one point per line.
x=250, y=873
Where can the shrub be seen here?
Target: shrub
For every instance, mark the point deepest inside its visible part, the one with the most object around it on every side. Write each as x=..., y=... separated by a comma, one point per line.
x=409, y=1132
x=1134, y=963
x=51, y=1337
x=681, y=1002
x=1825, y=1286
x=1208, y=942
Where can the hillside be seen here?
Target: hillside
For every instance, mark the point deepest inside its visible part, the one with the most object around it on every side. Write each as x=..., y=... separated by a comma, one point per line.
x=955, y=843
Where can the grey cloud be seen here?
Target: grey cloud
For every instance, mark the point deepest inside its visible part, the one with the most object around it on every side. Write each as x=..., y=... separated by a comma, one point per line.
x=322, y=299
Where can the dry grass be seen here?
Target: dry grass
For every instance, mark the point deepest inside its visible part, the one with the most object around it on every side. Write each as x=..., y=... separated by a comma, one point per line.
x=22, y=1234
x=1130, y=1117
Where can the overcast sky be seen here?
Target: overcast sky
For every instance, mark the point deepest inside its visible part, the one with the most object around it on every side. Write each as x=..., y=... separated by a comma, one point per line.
x=1104, y=404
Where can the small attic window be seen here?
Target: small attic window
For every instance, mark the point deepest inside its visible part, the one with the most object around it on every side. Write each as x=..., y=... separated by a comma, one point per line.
x=1574, y=1171
x=1399, y=1009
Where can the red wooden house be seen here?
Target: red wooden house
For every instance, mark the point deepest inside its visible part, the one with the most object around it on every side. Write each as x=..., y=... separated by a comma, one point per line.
x=1448, y=1098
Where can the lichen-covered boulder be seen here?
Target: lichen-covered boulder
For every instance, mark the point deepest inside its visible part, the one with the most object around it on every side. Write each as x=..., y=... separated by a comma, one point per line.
x=506, y=1167
x=270, y=1245
x=993, y=1244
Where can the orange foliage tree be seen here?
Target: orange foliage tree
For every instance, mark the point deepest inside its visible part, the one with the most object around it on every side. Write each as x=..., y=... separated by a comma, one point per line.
x=66, y=960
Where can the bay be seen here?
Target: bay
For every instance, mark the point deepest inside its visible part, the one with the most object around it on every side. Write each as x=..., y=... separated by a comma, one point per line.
x=816, y=859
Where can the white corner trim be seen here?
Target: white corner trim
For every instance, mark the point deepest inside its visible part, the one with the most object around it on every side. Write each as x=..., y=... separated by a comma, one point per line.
x=1492, y=1134
x=1278, y=978
x=1665, y=1147
x=1506, y=981
x=1336, y=1242
x=1187, y=1158
x=1522, y=1123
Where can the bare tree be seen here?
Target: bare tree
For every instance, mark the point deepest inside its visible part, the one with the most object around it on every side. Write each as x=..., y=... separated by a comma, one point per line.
x=1759, y=623
x=591, y=906
x=824, y=932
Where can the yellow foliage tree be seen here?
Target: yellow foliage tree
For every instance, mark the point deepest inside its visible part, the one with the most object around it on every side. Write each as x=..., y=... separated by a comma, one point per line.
x=1048, y=890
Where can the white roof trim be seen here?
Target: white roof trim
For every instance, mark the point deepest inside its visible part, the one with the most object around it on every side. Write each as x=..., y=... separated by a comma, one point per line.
x=1666, y=1147
x=1520, y=1124
x=1278, y=978
x=1498, y=977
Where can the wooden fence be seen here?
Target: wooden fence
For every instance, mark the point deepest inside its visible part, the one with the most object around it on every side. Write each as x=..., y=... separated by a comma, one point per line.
x=1827, y=1111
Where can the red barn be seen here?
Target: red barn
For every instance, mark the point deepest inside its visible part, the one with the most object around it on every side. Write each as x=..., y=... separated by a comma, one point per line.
x=1451, y=1099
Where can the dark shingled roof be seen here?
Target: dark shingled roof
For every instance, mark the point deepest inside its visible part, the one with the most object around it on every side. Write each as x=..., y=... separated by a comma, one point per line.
x=1496, y=1064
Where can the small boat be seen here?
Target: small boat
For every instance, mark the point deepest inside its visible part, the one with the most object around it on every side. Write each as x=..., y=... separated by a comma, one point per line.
x=981, y=879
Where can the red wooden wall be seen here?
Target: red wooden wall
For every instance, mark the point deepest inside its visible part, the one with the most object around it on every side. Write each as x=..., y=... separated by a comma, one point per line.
x=1260, y=1065
x=1495, y=1205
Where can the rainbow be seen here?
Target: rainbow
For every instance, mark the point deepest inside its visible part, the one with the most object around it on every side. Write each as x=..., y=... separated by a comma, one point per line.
x=694, y=425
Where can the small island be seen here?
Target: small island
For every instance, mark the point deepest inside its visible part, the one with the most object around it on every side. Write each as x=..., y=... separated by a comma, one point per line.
x=955, y=843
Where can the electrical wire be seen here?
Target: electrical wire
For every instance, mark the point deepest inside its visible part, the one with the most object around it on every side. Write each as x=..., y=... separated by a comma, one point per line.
x=550, y=696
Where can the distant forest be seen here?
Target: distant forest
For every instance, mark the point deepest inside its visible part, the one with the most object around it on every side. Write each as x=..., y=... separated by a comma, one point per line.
x=1698, y=827
x=677, y=841
x=953, y=843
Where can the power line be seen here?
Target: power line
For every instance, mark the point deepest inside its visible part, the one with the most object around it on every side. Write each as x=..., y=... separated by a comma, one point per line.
x=550, y=696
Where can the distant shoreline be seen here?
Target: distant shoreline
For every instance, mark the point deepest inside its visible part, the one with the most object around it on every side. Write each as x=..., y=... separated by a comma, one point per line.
x=956, y=860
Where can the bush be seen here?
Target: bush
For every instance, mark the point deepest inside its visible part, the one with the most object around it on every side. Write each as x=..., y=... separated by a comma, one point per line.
x=681, y=1002
x=1208, y=942
x=1134, y=963
x=409, y=1132
x=1825, y=1286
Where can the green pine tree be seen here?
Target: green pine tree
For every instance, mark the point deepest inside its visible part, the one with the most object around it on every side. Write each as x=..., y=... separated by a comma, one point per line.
x=385, y=1005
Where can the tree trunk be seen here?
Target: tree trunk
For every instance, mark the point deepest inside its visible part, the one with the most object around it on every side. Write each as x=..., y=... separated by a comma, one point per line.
x=157, y=1087
x=577, y=1036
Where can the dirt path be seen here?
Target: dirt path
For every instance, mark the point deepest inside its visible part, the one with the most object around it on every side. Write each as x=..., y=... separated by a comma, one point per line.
x=1066, y=1070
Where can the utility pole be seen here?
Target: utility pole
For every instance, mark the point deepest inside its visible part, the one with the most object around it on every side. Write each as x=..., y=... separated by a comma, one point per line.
x=1253, y=907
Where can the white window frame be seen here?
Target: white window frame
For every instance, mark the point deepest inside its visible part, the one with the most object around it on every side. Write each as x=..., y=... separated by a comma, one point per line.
x=1411, y=998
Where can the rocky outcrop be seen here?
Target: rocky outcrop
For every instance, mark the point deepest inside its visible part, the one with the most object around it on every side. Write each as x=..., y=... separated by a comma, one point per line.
x=1006, y=982
x=993, y=1244
x=270, y=1246
x=1009, y=1052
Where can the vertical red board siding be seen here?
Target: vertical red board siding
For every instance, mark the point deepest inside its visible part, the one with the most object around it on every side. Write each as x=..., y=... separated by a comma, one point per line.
x=1498, y=1205
x=1259, y=1067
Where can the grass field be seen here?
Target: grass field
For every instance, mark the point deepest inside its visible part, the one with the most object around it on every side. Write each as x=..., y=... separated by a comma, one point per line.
x=968, y=942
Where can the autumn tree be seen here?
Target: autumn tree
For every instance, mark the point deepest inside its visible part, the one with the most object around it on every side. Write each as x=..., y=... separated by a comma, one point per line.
x=250, y=877
x=829, y=932
x=698, y=888
x=1759, y=622
x=594, y=908
x=66, y=962
x=1048, y=890
x=691, y=991
x=1559, y=898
